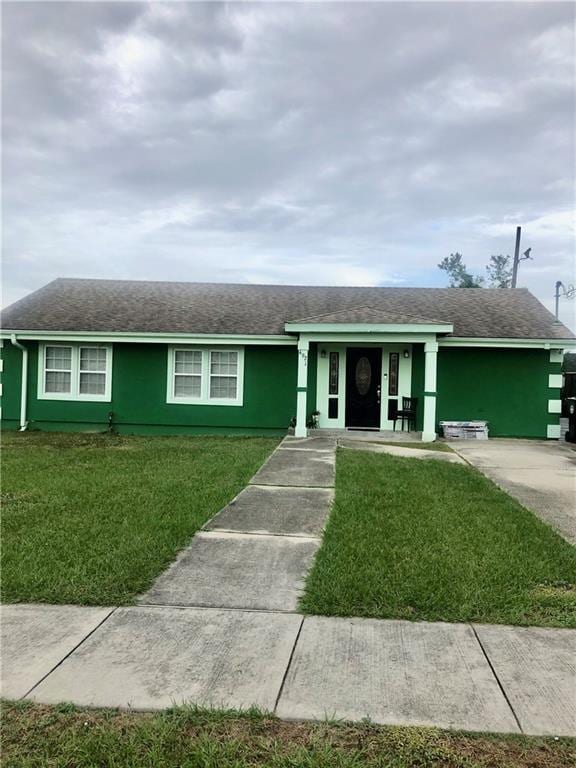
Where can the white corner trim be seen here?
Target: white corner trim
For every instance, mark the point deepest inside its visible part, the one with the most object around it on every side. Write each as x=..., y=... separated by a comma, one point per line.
x=205, y=398
x=74, y=395
x=1, y=365
x=554, y=406
x=555, y=380
x=556, y=355
x=553, y=431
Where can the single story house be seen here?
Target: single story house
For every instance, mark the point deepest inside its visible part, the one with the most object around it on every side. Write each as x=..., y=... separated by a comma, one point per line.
x=198, y=358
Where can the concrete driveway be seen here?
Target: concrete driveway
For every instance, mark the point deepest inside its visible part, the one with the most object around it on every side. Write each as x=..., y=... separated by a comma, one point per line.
x=540, y=474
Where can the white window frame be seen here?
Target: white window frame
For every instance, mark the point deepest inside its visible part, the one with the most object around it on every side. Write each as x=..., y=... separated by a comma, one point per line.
x=75, y=393
x=204, y=397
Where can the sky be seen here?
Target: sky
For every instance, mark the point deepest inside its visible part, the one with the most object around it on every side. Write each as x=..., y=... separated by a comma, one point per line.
x=303, y=143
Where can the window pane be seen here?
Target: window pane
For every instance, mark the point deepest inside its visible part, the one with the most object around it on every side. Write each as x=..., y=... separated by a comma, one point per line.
x=187, y=361
x=187, y=386
x=92, y=359
x=224, y=363
x=92, y=383
x=57, y=381
x=58, y=358
x=393, y=374
x=223, y=386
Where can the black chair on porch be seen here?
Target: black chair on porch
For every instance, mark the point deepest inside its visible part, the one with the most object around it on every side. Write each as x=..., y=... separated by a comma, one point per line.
x=407, y=413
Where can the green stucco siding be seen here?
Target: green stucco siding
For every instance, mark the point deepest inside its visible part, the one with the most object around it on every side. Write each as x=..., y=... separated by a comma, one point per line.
x=506, y=387
x=139, y=381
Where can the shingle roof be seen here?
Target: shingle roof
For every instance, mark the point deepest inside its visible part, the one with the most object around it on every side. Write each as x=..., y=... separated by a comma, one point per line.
x=367, y=316
x=218, y=308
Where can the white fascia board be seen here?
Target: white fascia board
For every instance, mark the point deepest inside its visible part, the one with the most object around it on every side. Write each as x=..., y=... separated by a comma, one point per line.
x=370, y=328
x=151, y=338
x=366, y=339
x=461, y=341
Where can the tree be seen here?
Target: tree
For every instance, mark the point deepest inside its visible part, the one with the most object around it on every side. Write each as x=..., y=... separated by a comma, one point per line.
x=458, y=274
x=499, y=271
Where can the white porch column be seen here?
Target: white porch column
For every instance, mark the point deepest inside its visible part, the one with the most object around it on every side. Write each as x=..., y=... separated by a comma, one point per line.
x=430, y=363
x=303, y=345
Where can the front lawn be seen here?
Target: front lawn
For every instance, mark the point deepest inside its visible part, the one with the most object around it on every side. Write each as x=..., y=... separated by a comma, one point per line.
x=93, y=519
x=413, y=539
x=63, y=737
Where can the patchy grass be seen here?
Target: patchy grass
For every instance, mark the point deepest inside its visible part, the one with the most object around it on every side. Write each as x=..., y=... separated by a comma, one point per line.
x=36, y=736
x=411, y=539
x=93, y=519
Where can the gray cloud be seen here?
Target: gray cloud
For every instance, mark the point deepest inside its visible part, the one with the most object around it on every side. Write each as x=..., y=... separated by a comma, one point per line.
x=278, y=142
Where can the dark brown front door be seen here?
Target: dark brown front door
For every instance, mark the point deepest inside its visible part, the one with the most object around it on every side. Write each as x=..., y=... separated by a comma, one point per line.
x=363, y=376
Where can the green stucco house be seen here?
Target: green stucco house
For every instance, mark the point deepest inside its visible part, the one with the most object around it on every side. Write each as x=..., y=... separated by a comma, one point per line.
x=167, y=358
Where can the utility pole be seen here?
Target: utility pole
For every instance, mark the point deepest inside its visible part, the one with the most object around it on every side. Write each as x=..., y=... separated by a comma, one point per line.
x=518, y=258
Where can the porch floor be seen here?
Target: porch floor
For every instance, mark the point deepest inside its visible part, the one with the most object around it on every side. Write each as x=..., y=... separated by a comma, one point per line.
x=369, y=435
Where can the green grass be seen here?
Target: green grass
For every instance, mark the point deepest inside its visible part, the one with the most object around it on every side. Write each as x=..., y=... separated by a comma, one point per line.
x=37, y=736
x=435, y=541
x=93, y=519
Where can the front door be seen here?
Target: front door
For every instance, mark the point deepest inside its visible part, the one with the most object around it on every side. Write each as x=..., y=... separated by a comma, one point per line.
x=363, y=376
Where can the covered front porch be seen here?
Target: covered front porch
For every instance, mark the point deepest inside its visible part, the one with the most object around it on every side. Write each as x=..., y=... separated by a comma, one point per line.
x=359, y=370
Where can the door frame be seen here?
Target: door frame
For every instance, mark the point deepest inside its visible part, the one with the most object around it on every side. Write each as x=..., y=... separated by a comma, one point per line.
x=404, y=379
x=364, y=351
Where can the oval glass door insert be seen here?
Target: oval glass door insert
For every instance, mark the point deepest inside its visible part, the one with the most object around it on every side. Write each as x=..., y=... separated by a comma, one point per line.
x=363, y=375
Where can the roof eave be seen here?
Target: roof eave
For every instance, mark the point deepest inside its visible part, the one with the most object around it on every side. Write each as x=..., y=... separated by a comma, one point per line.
x=436, y=328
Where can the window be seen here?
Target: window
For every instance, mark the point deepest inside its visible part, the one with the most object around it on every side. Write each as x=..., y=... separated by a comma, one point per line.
x=73, y=372
x=393, y=374
x=58, y=369
x=224, y=374
x=205, y=376
x=187, y=373
x=333, y=375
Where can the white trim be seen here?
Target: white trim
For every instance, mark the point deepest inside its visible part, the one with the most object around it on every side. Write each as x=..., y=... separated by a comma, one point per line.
x=554, y=406
x=368, y=339
x=463, y=341
x=322, y=381
x=301, y=429
x=555, y=380
x=392, y=328
x=553, y=431
x=1, y=365
x=556, y=355
x=74, y=393
x=205, y=375
x=153, y=338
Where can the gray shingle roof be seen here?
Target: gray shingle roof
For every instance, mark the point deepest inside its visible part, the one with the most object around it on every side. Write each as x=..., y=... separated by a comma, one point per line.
x=219, y=308
x=367, y=315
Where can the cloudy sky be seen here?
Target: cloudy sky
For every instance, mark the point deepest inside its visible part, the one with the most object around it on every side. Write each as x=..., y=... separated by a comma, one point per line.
x=322, y=143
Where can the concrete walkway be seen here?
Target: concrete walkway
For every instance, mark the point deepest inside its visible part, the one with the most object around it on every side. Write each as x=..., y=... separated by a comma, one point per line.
x=540, y=474
x=256, y=552
x=219, y=628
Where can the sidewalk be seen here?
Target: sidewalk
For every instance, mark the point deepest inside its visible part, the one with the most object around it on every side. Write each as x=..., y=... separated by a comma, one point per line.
x=219, y=628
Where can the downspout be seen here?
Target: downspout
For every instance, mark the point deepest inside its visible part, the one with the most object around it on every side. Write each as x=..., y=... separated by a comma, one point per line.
x=24, y=389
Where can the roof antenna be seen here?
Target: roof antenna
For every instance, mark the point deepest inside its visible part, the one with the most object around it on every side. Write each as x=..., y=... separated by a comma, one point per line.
x=568, y=292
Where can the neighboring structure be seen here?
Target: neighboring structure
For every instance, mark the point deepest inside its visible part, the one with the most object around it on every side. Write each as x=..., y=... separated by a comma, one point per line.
x=146, y=357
